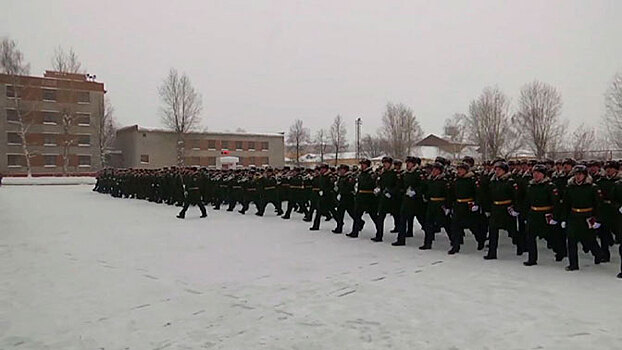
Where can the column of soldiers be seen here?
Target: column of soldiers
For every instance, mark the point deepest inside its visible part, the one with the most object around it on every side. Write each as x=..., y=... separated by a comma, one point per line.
x=561, y=203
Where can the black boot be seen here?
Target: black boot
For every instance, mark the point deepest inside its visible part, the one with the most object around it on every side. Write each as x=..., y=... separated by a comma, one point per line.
x=286, y=217
x=352, y=235
x=454, y=249
x=425, y=247
x=490, y=256
x=313, y=228
x=530, y=263
x=376, y=239
x=180, y=216
x=338, y=230
x=480, y=245
x=395, y=230
x=399, y=243
x=620, y=275
x=572, y=268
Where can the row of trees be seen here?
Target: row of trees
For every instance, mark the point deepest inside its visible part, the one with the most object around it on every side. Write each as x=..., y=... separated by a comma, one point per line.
x=536, y=124
x=13, y=63
x=397, y=137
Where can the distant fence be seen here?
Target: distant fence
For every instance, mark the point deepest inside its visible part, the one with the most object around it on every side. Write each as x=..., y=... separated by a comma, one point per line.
x=609, y=154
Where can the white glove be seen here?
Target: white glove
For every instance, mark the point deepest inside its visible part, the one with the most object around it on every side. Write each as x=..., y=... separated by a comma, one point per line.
x=376, y=190
x=553, y=222
x=338, y=197
x=596, y=225
x=513, y=212
x=411, y=193
x=185, y=193
x=321, y=193
x=475, y=208
x=387, y=194
x=620, y=210
x=356, y=187
x=336, y=188
x=446, y=211
x=487, y=214
x=563, y=224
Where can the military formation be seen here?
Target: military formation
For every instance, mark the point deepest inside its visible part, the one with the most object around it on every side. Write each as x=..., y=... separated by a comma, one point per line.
x=561, y=203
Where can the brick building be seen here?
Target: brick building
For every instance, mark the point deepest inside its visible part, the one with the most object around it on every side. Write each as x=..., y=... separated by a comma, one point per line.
x=59, y=116
x=155, y=148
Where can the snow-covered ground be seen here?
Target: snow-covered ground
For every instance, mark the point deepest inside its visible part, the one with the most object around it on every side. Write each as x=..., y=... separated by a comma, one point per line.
x=49, y=180
x=80, y=270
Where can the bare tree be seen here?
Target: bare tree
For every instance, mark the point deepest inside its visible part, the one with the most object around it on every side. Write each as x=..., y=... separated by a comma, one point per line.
x=298, y=136
x=338, y=139
x=613, y=111
x=582, y=140
x=321, y=143
x=488, y=122
x=13, y=64
x=373, y=146
x=538, y=116
x=181, y=107
x=454, y=130
x=107, y=129
x=66, y=61
x=400, y=129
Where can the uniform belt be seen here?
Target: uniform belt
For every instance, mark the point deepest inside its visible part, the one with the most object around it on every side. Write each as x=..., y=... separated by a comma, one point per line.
x=464, y=200
x=316, y=188
x=269, y=188
x=546, y=208
x=437, y=199
x=251, y=189
x=193, y=188
x=285, y=185
x=223, y=185
x=582, y=210
x=300, y=187
x=606, y=201
x=366, y=191
x=237, y=186
x=509, y=201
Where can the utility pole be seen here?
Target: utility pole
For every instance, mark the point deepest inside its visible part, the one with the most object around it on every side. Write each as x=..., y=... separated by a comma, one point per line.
x=357, y=135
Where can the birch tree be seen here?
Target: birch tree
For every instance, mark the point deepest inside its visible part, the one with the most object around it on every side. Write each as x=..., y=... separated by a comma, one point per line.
x=13, y=64
x=66, y=61
x=298, y=136
x=338, y=139
x=538, y=116
x=180, y=109
x=613, y=111
x=321, y=143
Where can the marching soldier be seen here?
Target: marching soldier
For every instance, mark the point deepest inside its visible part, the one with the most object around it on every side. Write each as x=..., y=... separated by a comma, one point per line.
x=345, y=196
x=606, y=184
x=542, y=200
x=296, y=194
x=500, y=209
x=438, y=208
x=388, y=196
x=192, y=195
x=581, y=206
x=324, y=198
x=365, y=200
x=466, y=208
x=412, y=200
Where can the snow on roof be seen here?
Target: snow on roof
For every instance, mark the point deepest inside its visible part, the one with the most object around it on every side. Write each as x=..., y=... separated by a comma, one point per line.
x=139, y=128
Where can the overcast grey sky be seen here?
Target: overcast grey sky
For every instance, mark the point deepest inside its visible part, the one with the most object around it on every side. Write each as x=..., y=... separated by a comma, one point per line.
x=261, y=64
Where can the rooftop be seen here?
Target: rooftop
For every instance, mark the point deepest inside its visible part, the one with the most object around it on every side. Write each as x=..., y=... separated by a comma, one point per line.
x=138, y=128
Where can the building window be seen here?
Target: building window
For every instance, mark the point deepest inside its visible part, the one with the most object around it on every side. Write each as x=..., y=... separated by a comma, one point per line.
x=49, y=95
x=11, y=115
x=211, y=145
x=50, y=117
x=84, y=119
x=84, y=140
x=193, y=161
x=211, y=161
x=263, y=160
x=264, y=146
x=224, y=145
x=49, y=160
x=10, y=91
x=144, y=159
x=238, y=145
x=195, y=145
x=84, y=97
x=251, y=145
x=49, y=139
x=251, y=161
x=84, y=161
x=13, y=138
x=15, y=160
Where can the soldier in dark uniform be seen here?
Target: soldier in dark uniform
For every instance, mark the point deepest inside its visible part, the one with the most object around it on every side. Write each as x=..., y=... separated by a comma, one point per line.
x=192, y=195
x=397, y=167
x=365, y=200
x=345, y=196
x=616, y=202
x=296, y=193
x=502, y=198
x=269, y=194
x=542, y=208
x=466, y=198
x=606, y=184
x=581, y=213
x=323, y=196
x=388, y=196
x=437, y=188
x=412, y=200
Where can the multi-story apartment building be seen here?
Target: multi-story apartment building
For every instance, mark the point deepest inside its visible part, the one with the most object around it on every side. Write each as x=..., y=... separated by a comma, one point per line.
x=155, y=148
x=51, y=120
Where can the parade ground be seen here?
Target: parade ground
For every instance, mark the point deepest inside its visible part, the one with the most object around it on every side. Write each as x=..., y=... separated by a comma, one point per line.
x=82, y=270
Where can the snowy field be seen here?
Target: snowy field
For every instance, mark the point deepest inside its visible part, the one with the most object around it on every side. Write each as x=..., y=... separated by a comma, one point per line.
x=80, y=270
